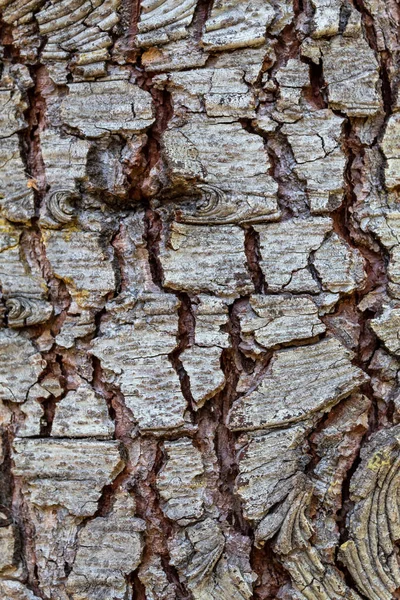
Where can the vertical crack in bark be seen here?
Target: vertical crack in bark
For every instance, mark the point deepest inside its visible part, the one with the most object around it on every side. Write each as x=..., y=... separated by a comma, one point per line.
x=253, y=255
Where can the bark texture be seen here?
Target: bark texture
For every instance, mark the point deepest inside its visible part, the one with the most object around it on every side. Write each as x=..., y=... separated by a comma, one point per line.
x=200, y=299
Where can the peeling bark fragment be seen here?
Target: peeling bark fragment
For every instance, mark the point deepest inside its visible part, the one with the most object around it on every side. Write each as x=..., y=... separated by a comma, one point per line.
x=273, y=320
x=194, y=260
x=268, y=466
x=109, y=106
x=136, y=350
x=311, y=578
x=285, y=249
x=215, y=566
x=100, y=573
x=180, y=482
x=369, y=554
x=82, y=413
x=300, y=381
x=340, y=267
x=336, y=445
x=20, y=365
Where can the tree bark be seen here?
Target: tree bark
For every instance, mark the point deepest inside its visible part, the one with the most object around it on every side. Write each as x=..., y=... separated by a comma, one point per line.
x=200, y=299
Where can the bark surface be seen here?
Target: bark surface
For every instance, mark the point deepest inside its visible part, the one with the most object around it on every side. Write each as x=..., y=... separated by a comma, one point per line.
x=199, y=299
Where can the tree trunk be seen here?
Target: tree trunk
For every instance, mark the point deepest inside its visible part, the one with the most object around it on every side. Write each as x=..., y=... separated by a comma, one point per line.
x=200, y=299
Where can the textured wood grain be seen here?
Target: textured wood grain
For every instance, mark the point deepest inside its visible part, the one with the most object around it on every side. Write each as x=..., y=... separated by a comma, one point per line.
x=199, y=299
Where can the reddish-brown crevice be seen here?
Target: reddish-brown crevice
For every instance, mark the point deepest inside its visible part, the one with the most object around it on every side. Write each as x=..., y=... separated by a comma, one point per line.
x=291, y=193
x=200, y=16
x=316, y=93
x=158, y=528
x=30, y=137
x=388, y=62
x=152, y=177
x=138, y=589
x=185, y=339
x=152, y=236
x=271, y=575
x=253, y=255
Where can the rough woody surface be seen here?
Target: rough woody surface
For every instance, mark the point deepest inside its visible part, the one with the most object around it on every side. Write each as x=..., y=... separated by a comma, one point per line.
x=199, y=299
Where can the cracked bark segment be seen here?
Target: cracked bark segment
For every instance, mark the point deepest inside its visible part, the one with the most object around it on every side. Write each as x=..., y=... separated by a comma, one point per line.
x=65, y=158
x=80, y=30
x=180, y=482
x=155, y=580
x=373, y=523
x=269, y=463
x=316, y=144
x=384, y=16
x=387, y=327
x=212, y=152
x=390, y=146
x=203, y=366
x=101, y=572
x=337, y=445
x=234, y=24
x=272, y=320
x=20, y=365
x=19, y=15
x=351, y=71
x=285, y=250
x=109, y=106
x=69, y=253
x=8, y=546
x=205, y=259
x=82, y=413
x=165, y=21
x=20, y=277
x=311, y=576
x=16, y=197
x=216, y=567
x=12, y=107
x=63, y=472
x=135, y=353
x=202, y=360
x=223, y=92
x=300, y=381
x=326, y=18
x=15, y=590
x=340, y=267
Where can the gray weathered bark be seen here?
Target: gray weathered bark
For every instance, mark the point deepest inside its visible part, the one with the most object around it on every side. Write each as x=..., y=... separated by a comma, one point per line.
x=200, y=299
